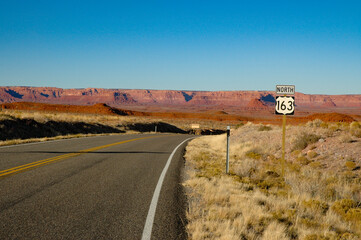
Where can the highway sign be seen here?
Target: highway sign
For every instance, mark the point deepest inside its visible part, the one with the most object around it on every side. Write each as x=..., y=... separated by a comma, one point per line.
x=195, y=126
x=285, y=105
x=285, y=89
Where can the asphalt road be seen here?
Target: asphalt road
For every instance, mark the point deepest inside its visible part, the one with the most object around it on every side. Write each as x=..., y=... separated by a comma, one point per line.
x=92, y=188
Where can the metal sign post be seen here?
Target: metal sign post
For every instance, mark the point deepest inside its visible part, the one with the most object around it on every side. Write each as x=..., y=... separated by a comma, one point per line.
x=283, y=143
x=227, y=157
x=285, y=105
x=195, y=127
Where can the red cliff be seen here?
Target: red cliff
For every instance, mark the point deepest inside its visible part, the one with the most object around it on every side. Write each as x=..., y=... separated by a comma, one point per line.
x=172, y=98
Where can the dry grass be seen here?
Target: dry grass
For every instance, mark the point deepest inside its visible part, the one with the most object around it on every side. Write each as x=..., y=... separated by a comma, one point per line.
x=43, y=117
x=32, y=140
x=117, y=122
x=67, y=117
x=109, y=120
x=318, y=198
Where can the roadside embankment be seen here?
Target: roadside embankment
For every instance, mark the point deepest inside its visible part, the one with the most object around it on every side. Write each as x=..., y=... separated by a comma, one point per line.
x=21, y=125
x=319, y=196
x=30, y=128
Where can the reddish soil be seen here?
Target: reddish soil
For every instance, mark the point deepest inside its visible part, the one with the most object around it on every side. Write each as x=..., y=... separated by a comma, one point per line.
x=330, y=117
x=107, y=110
x=98, y=108
x=325, y=117
x=219, y=116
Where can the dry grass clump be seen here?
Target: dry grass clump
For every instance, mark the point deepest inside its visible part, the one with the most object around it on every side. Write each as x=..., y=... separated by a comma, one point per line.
x=350, y=165
x=312, y=201
x=303, y=140
x=355, y=129
x=116, y=121
x=264, y=128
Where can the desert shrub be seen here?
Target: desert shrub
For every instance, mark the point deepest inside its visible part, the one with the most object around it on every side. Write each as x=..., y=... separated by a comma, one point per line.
x=303, y=160
x=334, y=128
x=316, y=205
x=346, y=138
x=311, y=154
x=304, y=139
x=350, y=165
x=246, y=167
x=264, y=128
x=355, y=125
x=315, y=164
x=342, y=206
x=309, y=222
x=239, y=125
x=354, y=214
x=296, y=153
x=348, y=236
x=314, y=123
x=253, y=155
x=356, y=132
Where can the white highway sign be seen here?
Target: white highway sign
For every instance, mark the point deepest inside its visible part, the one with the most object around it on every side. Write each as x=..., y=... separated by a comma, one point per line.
x=194, y=126
x=285, y=89
x=285, y=105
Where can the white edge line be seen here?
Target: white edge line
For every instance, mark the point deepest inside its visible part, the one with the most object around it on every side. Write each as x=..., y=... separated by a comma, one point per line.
x=147, y=231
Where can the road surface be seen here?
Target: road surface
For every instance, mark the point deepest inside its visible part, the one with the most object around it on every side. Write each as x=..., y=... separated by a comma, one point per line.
x=93, y=188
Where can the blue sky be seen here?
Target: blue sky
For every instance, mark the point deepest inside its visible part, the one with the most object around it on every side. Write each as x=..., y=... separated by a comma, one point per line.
x=182, y=45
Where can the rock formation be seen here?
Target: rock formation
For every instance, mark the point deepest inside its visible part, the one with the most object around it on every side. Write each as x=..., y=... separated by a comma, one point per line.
x=170, y=98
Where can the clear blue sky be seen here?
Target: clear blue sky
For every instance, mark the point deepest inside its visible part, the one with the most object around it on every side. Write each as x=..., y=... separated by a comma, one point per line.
x=182, y=45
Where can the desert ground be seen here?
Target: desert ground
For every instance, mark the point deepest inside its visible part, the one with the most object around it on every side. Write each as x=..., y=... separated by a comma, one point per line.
x=319, y=196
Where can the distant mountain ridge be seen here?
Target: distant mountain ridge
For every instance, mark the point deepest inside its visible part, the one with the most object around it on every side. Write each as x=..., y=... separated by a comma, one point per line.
x=138, y=97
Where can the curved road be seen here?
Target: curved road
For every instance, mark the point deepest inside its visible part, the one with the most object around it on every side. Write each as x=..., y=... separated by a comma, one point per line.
x=93, y=188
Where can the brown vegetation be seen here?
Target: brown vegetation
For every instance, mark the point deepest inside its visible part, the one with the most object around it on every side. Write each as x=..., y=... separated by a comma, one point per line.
x=318, y=198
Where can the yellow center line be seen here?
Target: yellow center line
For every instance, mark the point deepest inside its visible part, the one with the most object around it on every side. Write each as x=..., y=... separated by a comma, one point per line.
x=39, y=163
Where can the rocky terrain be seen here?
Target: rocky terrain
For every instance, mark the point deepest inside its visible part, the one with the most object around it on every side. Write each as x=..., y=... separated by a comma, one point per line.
x=213, y=116
x=186, y=100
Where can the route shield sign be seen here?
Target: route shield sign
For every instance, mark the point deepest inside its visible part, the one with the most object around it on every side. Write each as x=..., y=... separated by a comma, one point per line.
x=285, y=105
